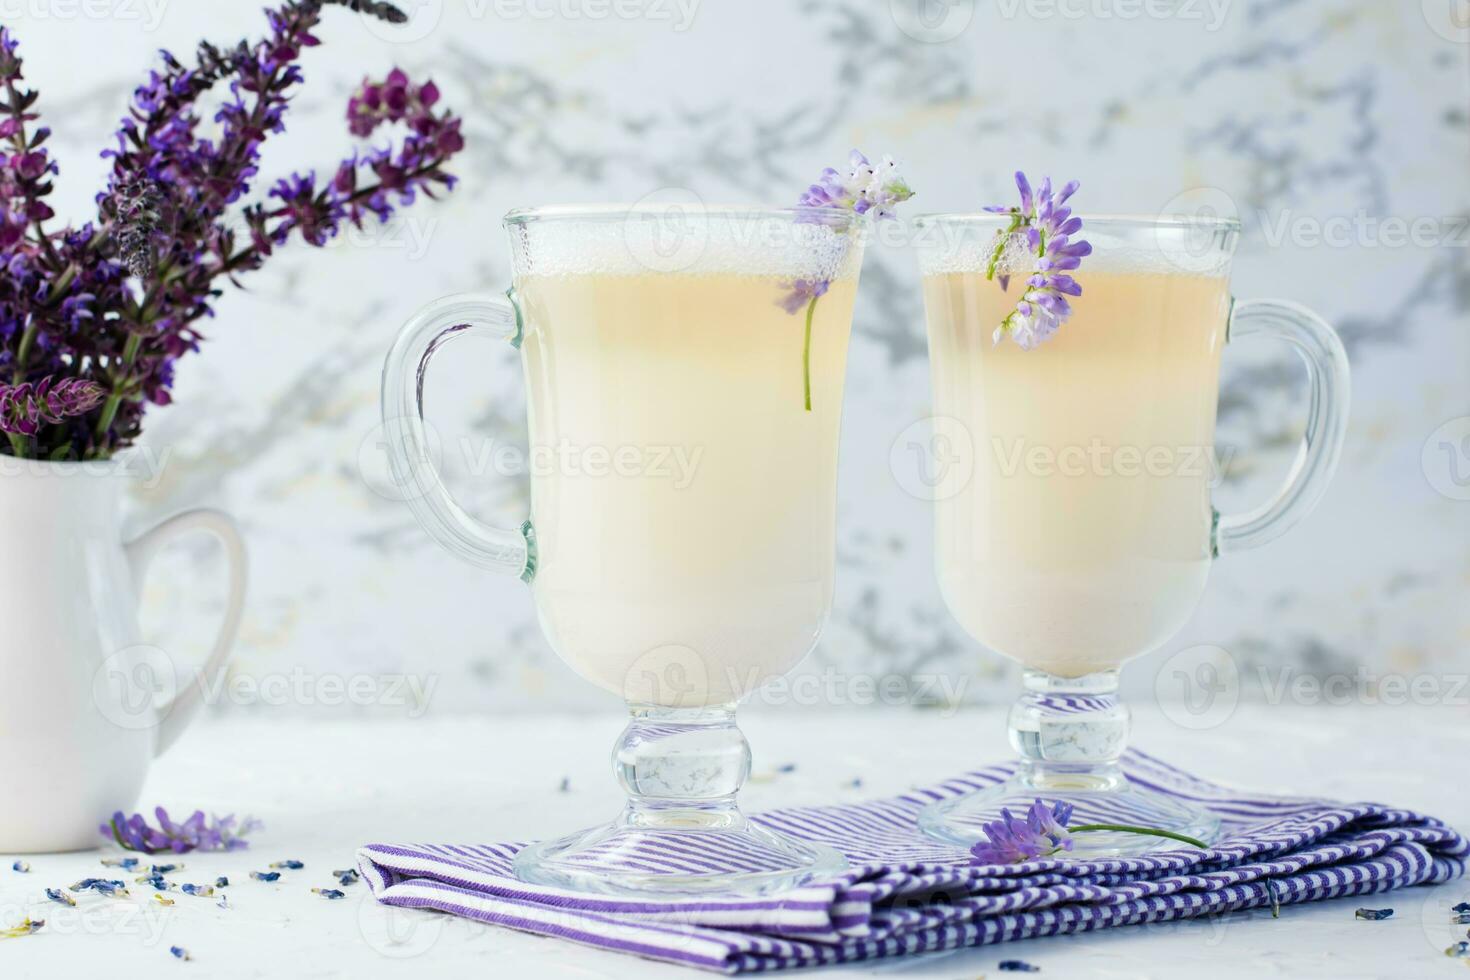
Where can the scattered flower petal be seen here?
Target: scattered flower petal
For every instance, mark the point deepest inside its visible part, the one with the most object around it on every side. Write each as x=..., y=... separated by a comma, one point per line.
x=201, y=891
x=60, y=897
x=1373, y=915
x=26, y=928
x=180, y=953
x=265, y=875
x=101, y=886
x=221, y=882
x=331, y=893
x=288, y=865
x=161, y=900
x=347, y=877
x=1017, y=966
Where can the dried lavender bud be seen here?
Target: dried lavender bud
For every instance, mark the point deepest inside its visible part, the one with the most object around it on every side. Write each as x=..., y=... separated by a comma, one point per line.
x=60, y=897
x=374, y=8
x=136, y=204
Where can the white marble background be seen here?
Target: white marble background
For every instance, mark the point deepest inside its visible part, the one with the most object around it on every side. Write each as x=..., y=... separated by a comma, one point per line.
x=1306, y=115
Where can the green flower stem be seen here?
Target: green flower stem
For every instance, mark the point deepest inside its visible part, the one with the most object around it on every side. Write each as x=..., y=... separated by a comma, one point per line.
x=806, y=354
x=1148, y=831
x=1000, y=247
x=109, y=407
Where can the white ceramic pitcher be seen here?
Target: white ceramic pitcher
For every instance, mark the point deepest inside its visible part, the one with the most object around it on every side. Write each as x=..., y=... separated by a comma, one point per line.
x=80, y=711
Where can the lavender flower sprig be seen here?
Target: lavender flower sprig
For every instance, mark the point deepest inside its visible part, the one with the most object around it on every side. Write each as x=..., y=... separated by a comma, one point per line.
x=1038, y=239
x=118, y=301
x=863, y=189
x=198, y=832
x=1044, y=833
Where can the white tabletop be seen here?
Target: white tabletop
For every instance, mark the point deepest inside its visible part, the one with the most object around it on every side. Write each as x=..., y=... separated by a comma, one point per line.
x=323, y=788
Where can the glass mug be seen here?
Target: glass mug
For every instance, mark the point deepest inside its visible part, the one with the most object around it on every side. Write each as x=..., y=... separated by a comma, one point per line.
x=1079, y=531
x=694, y=562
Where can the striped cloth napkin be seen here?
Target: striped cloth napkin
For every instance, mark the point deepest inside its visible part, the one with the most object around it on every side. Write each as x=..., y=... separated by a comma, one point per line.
x=905, y=895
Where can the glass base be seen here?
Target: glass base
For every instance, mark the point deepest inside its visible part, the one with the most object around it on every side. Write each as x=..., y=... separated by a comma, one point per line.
x=681, y=832
x=678, y=852
x=960, y=821
x=1070, y=733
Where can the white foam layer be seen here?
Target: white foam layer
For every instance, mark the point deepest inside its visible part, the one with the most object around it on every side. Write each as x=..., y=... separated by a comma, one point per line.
x=1177, y=248
x=687, y=242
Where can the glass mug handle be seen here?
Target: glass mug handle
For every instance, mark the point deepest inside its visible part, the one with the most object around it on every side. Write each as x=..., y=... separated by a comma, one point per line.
x=1328, y=392
x=407, y=440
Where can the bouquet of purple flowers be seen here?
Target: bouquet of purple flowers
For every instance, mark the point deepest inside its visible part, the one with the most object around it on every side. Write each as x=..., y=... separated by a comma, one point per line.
x=93, y=317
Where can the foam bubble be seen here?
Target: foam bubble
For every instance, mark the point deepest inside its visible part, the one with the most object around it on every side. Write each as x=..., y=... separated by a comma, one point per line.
x=687, y=241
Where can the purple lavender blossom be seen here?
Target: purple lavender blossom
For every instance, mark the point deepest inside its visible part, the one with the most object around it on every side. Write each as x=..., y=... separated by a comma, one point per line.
x=1042, y=228
x=864, y=189
x=198, y=832
x=1010, y=840
x=803, y=291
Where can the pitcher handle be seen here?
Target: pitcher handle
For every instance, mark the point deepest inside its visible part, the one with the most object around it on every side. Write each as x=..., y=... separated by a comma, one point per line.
x=181, y=709
x=406, y=436
x=1328, y=392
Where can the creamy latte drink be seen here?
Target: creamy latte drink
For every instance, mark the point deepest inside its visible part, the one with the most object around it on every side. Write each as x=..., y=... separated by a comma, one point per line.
x=1082, y=538
x=685, y=511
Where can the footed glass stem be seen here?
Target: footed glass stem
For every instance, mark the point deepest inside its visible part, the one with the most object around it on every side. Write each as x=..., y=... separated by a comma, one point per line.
x=1070, y=733
x=681, y=831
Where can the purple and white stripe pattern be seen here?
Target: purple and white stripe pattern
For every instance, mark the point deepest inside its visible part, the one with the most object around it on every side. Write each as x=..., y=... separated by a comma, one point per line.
x=906, y=895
